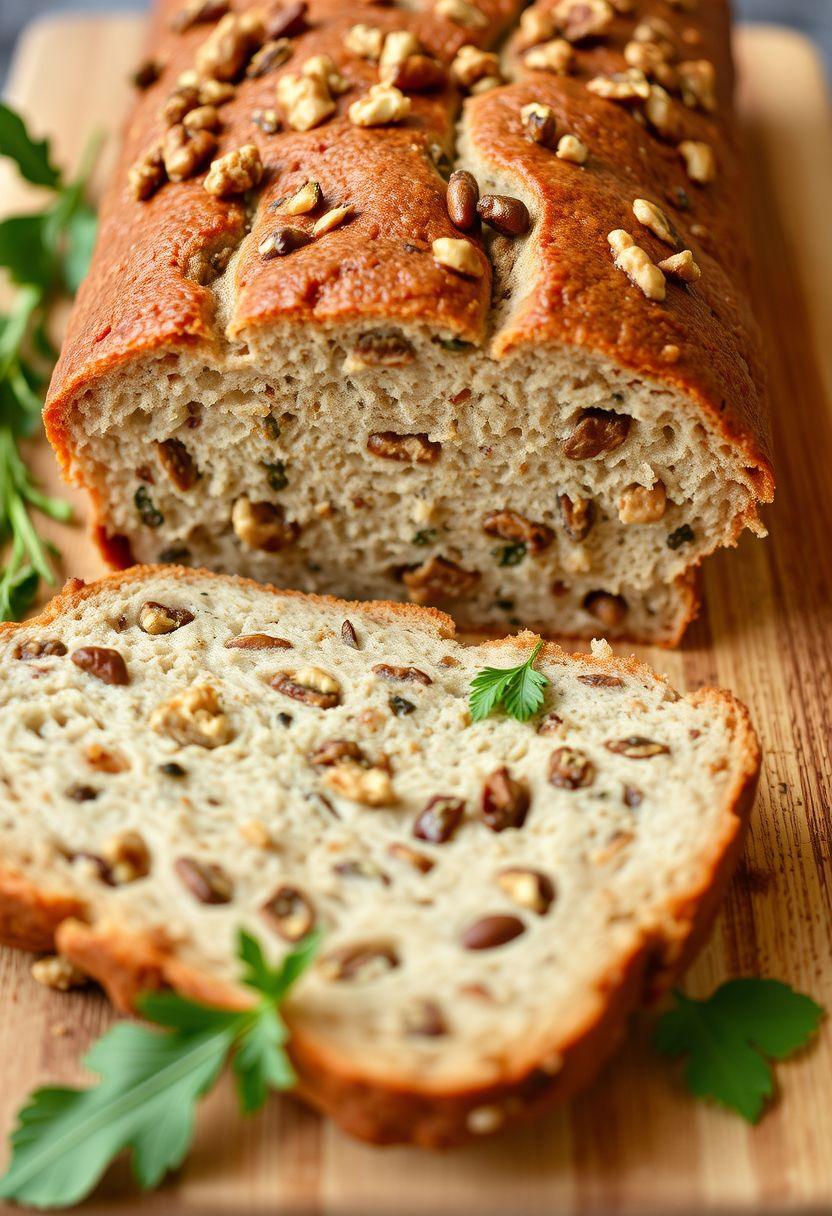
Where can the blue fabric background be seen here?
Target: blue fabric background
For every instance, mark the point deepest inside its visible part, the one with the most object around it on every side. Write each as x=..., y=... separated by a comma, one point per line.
x=814, y=17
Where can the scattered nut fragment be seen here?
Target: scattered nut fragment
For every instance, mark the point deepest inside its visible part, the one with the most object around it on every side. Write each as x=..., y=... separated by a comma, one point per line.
x=398, y=46
x=580, y=19
x=505, y=802
x=234, y=173
x=263, y=526
x=408, y=449
x=195, y=11
x=578, y=516
x=570, y=769
x=636, y=747
x=681, y=266
x=178, y=463
x=697, y=81
x=423, y=1019
x=257, y=641
x=286, y=21
x=411, y=857
x=331, y=220
x=508, y=215
x=267, y=120
x=361, y=868
x=491, y=931
x=36, y=649
x=609, y=609
x=270, y=56
x=205, y=880
x=389, y=348
x=203, y=118
x=382, y=105
x=193, y=716
x=657, y=220
x=256, y=833
x=439, y=579
x=156, y=618
x=334, y=751
x=305, y=198
x=417, y=74
x=439, y=820
x=369, y=786
x=511, y=526
x=348, y=635
x=128, y=857
x=312, y=686
x=699, y=159
x=185, y=152
x=409, y=675
x=631, y=85
x=58, y=973
x=539, y=123
x=282, y=241
x=471, y=65
x=642, y=504
x=457, y=255
x=364, y=962
x=652, y=59
x=572, y=149
x=100, y=661
x=536, y=25
x=595, y=432
x=461, y=198
x=148, y=173
x=102, y=760
x=289, y=913
x=528, y=888
x=662, y=113
x=636, y=264
x=365, y=40
x=306, y=99
x=461, y=13
x=553, y=56
x=230, y=45
x=598, y=679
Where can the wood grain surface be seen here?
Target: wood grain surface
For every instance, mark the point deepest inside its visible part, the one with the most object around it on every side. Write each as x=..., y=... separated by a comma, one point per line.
x=635, y=1143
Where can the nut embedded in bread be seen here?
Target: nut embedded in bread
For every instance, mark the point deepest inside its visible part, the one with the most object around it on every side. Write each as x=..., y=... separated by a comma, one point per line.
x=493, y=896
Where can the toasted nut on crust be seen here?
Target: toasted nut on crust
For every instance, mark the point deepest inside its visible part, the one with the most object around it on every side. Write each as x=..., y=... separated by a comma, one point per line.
x=461, y=198
x=305, y=198
x=382, y=105
x=365, y=40
x=236, y=172
x=471, y=65
x=656, y=219
x=229, y=46
x=461, y=13
x=330, y=220
x=681, y=266
x=553, y=56
x=148, y=173
x=539, y=123
x=572, y=149
x=636, y=264
x=579, y=19
x=457, y=255
x=185, y=152
x=631, y=85
x=699, y=159
x=536, y=25
x=508, y=215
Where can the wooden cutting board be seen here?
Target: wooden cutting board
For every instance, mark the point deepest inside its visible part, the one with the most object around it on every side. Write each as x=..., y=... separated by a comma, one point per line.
x=636, y=1143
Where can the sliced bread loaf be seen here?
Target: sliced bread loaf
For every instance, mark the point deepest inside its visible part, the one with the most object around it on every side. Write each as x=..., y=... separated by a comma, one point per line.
x=186, y=754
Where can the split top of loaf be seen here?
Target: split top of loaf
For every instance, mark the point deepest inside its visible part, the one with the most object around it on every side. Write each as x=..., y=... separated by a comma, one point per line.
x=186, y=755
x=303, y=355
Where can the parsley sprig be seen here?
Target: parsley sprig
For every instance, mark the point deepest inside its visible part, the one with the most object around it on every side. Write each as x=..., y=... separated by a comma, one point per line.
x=519, y=690
x=45, y=253
x=729, y=1039
x=150, y=1084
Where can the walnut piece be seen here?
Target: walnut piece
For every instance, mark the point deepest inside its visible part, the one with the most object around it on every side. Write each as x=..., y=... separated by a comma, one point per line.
x=263, y=526
x=234, y=173
x=58, y=973
x=382, y=105
x=642, y=504
x=636, y=264
x=193, y=716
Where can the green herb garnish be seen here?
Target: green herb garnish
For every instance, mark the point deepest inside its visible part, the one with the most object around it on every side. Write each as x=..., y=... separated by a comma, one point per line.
x=519, y=690
x=149, y=1084
x=509, y=555
x=44, y=253
x=729, y=1039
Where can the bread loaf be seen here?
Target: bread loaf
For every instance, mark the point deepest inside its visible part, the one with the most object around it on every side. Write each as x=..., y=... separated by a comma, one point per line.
x=185, y=754
x=304, y=355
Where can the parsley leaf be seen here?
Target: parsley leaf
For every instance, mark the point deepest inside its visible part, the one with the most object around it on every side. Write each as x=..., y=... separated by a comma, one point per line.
x=729, y=1038
x=150, y=1082
x=520, y=690
x=43, y=253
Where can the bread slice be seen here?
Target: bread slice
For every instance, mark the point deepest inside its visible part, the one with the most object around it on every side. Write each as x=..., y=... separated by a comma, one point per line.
x=532, y=442
x=185, y=754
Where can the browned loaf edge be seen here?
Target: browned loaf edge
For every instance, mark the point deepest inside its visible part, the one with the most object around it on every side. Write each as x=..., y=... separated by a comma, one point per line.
x=140, y=296
x=385, y=1113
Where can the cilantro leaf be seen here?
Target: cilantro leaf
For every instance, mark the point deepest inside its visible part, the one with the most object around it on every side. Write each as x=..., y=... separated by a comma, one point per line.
x=23, y=252
x=150, y=1082
x=30, y=155
x=520, y=690
x=729, y=1038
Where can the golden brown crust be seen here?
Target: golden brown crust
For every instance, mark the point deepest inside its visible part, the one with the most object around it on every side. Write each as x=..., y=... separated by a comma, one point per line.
x=126, y=963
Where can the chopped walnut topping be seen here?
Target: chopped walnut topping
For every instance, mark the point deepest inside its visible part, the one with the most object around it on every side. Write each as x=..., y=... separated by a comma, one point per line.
x=203, y=118
x=263, y=526
x=369, y=786
x=652, y=59
x=270, y=56
x=288, y=20
x=280, y=241
x=697, y=81
x=658, y=32
x=230, y=45
x=572, y=149
x=681, y=266
x=662, y=113
x=195, y=11
x=536, y=25
x=236, y=172
x=128, y=857
x=398, y=46
x=579, y=19
x=417, y=74
x=215, y=92
x=193, y=716
x=553, y=56
x=185, y=152
x=631, y=85
x=147, y=174
x=365, y=40
x=642, y=504
x=382, y=105
x=306, y=100
x=59, y=973
x=539, y=123
x=461, y=13
x=305, y=198
x=472, y=64
x=656, y=220
x=636, y=264
x=323, y=69
x=331, y=220
x=699, y=159
x=458, y=255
